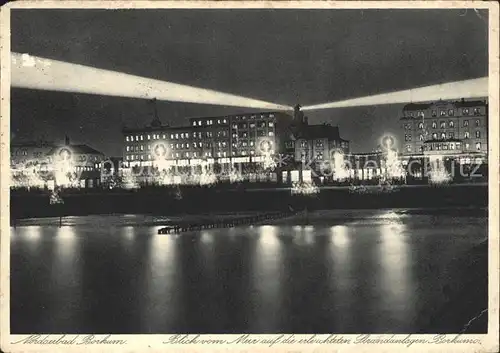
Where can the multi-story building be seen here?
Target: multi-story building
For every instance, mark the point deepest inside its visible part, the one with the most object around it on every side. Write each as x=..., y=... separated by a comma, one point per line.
x=251, y=141
x=247, y=141
x=49, y=164
x=445, y=128
x=445, y=132
x=28, y=153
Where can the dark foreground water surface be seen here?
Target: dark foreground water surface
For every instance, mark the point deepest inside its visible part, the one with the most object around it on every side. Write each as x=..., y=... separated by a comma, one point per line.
x=370, y=271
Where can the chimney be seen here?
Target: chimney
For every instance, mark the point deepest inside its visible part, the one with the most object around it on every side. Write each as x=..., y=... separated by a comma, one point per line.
x=66, y=141
x=463, y=100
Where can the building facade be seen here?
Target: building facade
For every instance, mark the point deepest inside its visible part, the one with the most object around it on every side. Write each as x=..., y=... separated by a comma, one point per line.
x=446, y=139
x=49, y=165
x=445, y=128
x=257, y=145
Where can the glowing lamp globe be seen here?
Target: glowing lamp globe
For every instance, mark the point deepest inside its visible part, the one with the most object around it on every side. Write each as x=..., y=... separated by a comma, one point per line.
x=65, y=154
x=388, y=142
x=265, y=146
x=160, y=151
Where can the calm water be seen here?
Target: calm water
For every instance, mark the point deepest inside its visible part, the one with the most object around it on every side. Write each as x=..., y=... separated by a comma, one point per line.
x=348, y=271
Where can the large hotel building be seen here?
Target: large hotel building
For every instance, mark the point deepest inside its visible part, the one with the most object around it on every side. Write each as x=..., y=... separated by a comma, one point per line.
x=248, y=141
x=446, y=135
x=447, y=128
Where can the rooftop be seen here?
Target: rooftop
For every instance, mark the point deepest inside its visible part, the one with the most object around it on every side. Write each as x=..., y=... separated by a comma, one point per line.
x=458, y=104
x=78, y=149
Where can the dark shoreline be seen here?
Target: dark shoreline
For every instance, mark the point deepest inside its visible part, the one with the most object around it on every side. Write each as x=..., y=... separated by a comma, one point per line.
x=169, y=201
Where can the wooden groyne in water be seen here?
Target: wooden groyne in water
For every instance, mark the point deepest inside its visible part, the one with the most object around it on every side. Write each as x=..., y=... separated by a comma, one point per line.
x=225, y=222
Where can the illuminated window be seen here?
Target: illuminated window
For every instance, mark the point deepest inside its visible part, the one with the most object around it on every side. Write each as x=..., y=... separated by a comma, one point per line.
x=252, y=143
x=137, y=138
x=421, y=137
x=443, y=112
x=467, y=146
x=142, y=137
x=199, y=123
x=478, y=134
x=451, y=112
x=194, y=123
x=477, y=111
x=451, y=135
x=442, y=124
x=434, y=113
x=443, y=135
x=420, y=125
x=128, y=148
x=271, y=124
x=142, y=147
x=408, y=148
x=164, y=137
x=126, y=138
x=270, y=133
x=466, y=135
x=224, y=121
x=176, y=136
x=466, y=123
x=478, y=123
x=465, y=111
x=478, y=146
x=434, y=125
x=451, y=124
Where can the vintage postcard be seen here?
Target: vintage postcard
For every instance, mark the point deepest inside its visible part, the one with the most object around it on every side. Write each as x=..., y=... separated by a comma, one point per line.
x=249, y=176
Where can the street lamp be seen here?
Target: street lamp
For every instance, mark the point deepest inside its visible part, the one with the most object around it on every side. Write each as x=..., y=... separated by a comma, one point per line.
x=388, y=142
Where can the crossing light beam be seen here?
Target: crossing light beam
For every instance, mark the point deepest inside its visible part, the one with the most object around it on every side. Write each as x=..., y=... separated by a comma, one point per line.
x=52, y=75
x=474, y=88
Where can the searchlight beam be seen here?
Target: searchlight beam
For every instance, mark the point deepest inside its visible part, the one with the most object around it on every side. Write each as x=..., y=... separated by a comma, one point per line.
x=474, y=88
x=52, y=75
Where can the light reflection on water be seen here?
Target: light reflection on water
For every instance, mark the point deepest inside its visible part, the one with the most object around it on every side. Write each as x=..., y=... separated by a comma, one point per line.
x=267, y=277
x=364, y=271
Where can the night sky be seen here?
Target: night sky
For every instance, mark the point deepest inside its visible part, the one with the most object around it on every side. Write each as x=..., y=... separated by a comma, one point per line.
x=280, y=56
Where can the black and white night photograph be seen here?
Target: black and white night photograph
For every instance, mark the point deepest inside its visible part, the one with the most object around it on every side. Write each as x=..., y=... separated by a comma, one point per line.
x=250, y=171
